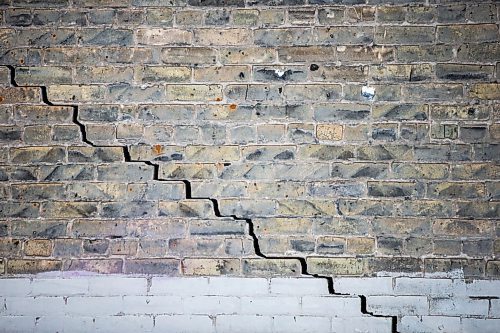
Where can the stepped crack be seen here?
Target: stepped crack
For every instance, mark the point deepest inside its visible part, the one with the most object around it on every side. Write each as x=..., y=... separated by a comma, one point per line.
x=215, y=203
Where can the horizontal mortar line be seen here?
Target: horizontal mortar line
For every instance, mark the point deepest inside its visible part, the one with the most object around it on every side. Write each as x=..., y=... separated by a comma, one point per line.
x=188, y=194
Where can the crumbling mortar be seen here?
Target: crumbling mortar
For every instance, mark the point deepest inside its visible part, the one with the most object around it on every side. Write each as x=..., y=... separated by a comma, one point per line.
x=188, y=195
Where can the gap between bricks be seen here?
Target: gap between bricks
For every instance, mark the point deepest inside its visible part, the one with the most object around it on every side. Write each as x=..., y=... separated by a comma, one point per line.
x=188, y=194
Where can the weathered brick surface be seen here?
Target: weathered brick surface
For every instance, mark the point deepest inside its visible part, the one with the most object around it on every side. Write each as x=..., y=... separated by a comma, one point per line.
x=361, y=136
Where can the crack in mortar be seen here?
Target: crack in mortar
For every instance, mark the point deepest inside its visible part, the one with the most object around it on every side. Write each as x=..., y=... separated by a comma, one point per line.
x=188, y=195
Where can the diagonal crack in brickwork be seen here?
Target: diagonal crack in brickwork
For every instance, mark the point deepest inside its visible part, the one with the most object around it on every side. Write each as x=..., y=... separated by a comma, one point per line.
x=188, y=195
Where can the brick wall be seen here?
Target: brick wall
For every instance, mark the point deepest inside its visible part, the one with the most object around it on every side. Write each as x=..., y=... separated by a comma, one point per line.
x=258, y=139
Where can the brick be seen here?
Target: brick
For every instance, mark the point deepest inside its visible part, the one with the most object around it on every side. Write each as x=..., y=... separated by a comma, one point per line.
x=468, y=33
x=456, y=190
x=306, y=54
x=66, y=248
x=90, y=154
x=222, y=36
x=463, y=72
x=88, y=74
x=344, y=35
x=42, y=248
x=271, y=267
x=187, y=208
x=11, y=95
x=420, y=170
x=186, y=55
x=116, y=172
x=194, y=92
x=404, y=35
x=15, y=266
x=344, y=73
x=224, y=73
x=228, y=323
x=403, y=305
x=40, y=229
x=312, y=92
x=199, y=323
x=485, y=91
x=25, y=155
x=341, y=112
x=393, y=189
x=69, y=93
x=329, y=132
x=163, y=36
x=336, y=266
x=210, y=267
x=434, y=92
x=290, y=36
x=361, y=54
x=413, y=53
x=43, y=75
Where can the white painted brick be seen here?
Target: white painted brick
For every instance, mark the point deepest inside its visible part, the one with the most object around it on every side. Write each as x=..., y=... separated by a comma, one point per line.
x=238, y=286
x=16, y=324
x=433, y=287
x=34, y=306
x=211, y=305
x=183, y=324
x=480, y=325
x=270, y=305
x=243, y=324
x=124, y=324
x=362, y=325
x=68, y=324
x=117, y=286
x=15, y=287
x=483, y=288
x=302, y=324
x=331, y=305
x=363, y=286
x=94, y=306
x=48, y=324
x=458, y=306
x=153, y=305
x=494, y=308
x=397, y=305
x=429, y=324
x=300, y=286
x=179, y=286
x=60, y=287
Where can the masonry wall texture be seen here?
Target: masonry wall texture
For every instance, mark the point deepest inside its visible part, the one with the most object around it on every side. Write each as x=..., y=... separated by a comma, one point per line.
x=255, y=139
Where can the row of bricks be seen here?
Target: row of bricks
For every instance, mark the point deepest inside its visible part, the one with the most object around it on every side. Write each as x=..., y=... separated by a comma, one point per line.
x=198, y=208
x=475, y=53
x=195, y=324
x=49, y=75
x=334, y=35
x=137, y=133
x=211, y=155
x=234, y=247
x=230, y=323
x=233, y=286
x=201, y=115
x=305, y=230
x=294, y=93
x=297, y=186
x=219, y=305
x=169, y=191
x=182, y=17
x=184, y=3
x=328, y=266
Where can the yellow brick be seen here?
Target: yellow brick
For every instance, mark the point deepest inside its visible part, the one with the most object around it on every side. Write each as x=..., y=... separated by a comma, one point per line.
x=329, y=132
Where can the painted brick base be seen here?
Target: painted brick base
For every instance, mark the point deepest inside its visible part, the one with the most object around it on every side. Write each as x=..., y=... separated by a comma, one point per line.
x=117, y=303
